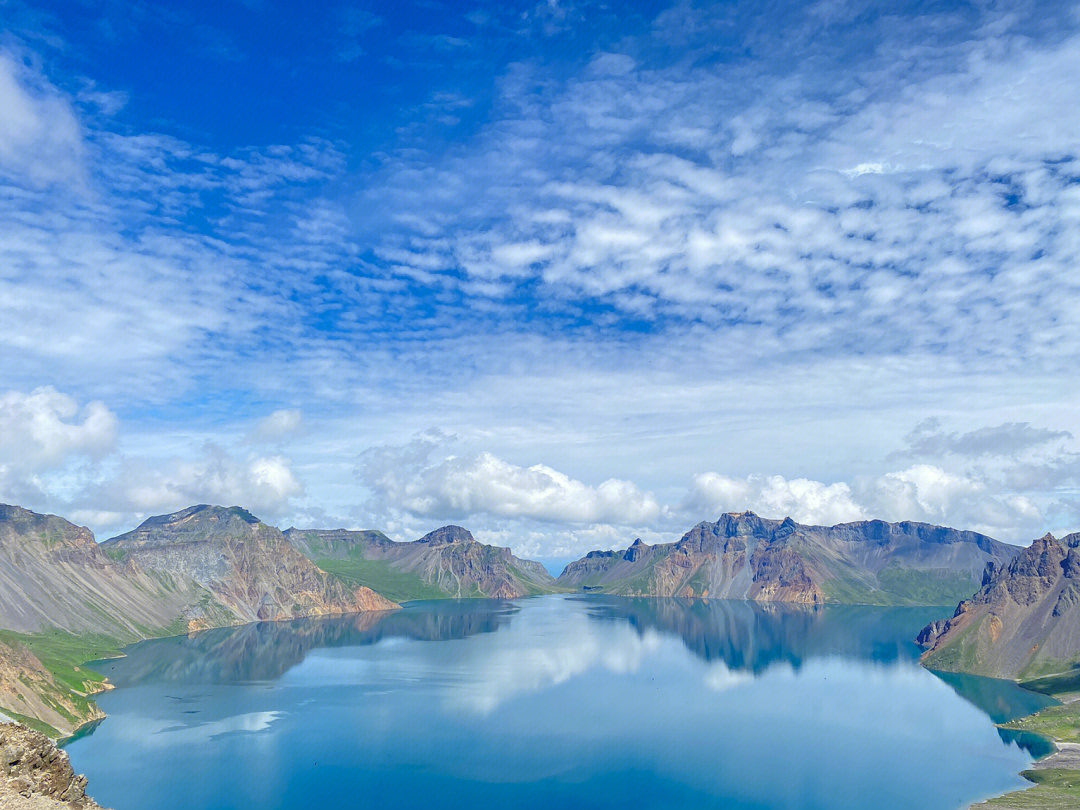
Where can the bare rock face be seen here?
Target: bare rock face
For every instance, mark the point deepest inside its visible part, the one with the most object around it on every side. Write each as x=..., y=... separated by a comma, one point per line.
x=744, y=556
x=202, y=567
x=445, y=562
x=1023, y=622
x=251, y=571
x=35, y=773
x=54, y=574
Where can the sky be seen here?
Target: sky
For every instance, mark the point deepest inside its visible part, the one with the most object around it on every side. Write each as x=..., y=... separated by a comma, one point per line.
x=565, y=273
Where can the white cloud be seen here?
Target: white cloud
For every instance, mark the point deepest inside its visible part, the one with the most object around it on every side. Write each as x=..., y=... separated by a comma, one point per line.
x=803, y=500
x=145, y=486
x=929, y=493
x=43, y=429
x=280, y=424
x=921, y=492
x=40, y=135
x=423, y=479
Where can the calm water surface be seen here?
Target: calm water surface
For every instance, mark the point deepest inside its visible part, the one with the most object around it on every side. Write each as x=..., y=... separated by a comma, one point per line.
x=554, y=702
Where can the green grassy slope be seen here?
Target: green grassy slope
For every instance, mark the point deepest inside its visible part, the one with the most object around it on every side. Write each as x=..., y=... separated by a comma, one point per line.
x=1053, y=788
x=63, y=656
x=898, y=586
x=381, y=577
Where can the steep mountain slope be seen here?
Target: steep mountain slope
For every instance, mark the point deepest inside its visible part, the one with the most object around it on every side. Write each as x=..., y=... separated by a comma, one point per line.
x=743, y=556
x=65, y=600
x=53, y=574
x=250, y=571
x=60, y=597
x=445, y=562
x=1024, y=622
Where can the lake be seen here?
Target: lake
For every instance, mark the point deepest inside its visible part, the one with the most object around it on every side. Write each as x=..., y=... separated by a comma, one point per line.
x=553, y=702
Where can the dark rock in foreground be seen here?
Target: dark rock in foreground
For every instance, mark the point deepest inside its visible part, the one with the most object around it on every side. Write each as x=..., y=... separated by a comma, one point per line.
x=36, y=775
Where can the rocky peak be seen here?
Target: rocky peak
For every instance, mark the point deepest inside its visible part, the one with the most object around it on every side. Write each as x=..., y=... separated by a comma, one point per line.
x=635, y=551
x=446, y=535
x=1028, y=576
x=57, y=539
x=201, y=522
x=736, y=524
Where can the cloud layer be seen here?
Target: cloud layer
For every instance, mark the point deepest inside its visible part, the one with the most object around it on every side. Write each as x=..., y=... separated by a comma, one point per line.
x=810, y=259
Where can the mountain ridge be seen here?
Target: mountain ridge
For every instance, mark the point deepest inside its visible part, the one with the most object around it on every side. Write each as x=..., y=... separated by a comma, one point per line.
x=1023, y=621
x=66, y=599
x=745, y=556
x=250, y=567
x=446, y=562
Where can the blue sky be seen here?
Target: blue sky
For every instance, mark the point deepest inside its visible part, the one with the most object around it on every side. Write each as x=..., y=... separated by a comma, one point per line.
x=565, y=273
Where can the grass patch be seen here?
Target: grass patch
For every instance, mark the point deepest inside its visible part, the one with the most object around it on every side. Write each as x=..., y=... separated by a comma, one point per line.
x=398, y=586
x=1055, y=789
x=846, y=590
x=1063, y=683
x=64, y=655
x=957, y=656
x=115, y=554
x=1059, y=723
x=915, y=587
x=30, y=722
x=898, y=586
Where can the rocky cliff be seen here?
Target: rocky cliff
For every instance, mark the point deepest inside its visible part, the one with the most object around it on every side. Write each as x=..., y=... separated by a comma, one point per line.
x=250, y=570
x=447, y=562
x=1024, y=620
x=65, y=599
x=744, y=556
x=36, y=775
x=53, y=574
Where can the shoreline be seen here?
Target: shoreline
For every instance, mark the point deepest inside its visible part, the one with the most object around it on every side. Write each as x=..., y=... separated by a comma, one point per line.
x=84, y=726
x=1049, y=775
x=1054, y=780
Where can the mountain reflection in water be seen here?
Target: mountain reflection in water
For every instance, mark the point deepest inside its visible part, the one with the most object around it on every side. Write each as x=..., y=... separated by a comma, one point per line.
x=557, y=701
x=267, y=650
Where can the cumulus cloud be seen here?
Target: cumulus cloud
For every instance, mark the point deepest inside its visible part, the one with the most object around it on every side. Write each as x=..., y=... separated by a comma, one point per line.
x=42, y=429
x=424, y=479
x=921, y=492
x=143, y=486
x=803, y=500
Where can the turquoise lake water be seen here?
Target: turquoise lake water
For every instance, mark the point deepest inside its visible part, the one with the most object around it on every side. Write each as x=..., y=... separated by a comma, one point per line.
x=553, y=702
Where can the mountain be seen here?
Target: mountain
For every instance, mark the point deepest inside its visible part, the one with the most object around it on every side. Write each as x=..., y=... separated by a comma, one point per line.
x=65, y=599
x=249, y=570
x=447, y=562
x=1024, y=621
x=743, y=556
x=53, y=574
